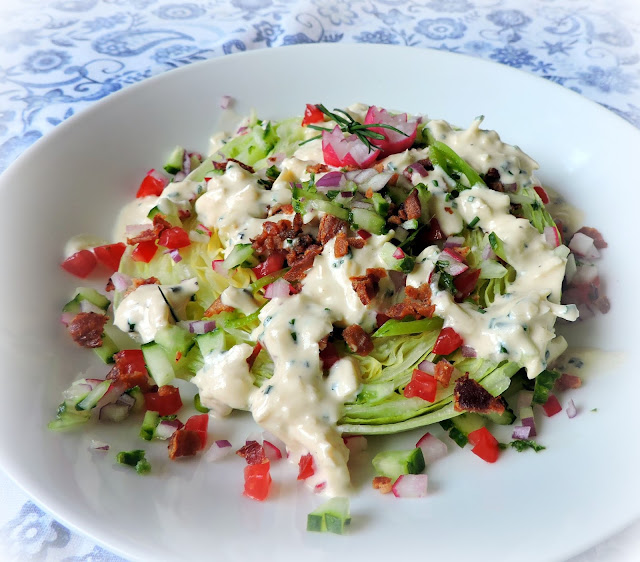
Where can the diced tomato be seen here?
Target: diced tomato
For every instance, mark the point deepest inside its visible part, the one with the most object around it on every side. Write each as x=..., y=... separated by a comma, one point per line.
x=465, y=283
x=484, y=444
x=130, y=361
x=257, y=481
x=144, y=251
x=329, y=356
x=152, y=184
x=110, y=255
x=541, y=193
x=165, y=401
x=448, y=341
x=254, y=354
x=551, y=407
x=312, y=115
x=305, y=465
x=272, y=264
x=423, y=385
x=174, y=238
x=198, y=423
x=80, y=264
x=393, y=141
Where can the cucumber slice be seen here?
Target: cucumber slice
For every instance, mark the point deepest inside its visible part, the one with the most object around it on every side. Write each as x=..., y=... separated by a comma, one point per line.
x=86, y=294
x=395, y=463
x=149, y=424
x=332, y=516
x=107, y=350
x=403, y=263
x=158, y=364
x=380, y=204
x=94, y=396
x=368, y=220
x=174, y=163
x=327, y=207
x=211, y=342
x=543, y=386
x=175, y=339
x=423, y=196
x=505, y=418
x=241, y=255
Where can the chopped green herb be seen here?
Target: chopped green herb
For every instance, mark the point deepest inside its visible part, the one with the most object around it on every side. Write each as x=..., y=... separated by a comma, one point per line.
x=474, y=221
x=524, y=444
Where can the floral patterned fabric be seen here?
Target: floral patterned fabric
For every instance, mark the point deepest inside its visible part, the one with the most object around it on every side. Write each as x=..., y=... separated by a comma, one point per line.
x=57, y=57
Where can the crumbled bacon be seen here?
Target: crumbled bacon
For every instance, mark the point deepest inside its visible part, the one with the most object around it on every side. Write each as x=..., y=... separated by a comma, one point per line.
x=443, y=372
x=217, y=307
x=471, y=396
x=329, y=227
x=286, y=209
x=567, y=381
x=598, y=241
x=139, y=281
x=274, y=235
x=383, y=484
x=379, y=167
x=252, y=452
x=86, y=329
x=356, y=242
x=317, y=168
x=184, y=443
x=369, y=194
x=341, y=245
x=357, y=339
x=124, y=375
x=160, y=224
x=223, y=165
x=366, y=286
x=109, y=286
x=492, y=179
x=299, y=268
x=298, y=248
x=412, y=206
x=417, y=302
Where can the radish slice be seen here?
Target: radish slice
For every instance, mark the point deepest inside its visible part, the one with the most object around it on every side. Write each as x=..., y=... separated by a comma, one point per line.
x=121, y=282
x=271, y=451
x=219, y=268
x=551, y=236
x=454, y=241
x=432, y=448
x=393, y=142
x=201, y=326
x=410, y=486
x=218, y=450
x=350, y=151
x=355, y=443
x=277, y=289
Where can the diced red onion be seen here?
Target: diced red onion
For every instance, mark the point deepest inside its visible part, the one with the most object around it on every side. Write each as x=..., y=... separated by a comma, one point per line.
x=468, y=351
x=113, y=393
x=166, y=428
x=319, y=487
x=398, y=254
x=87, y=306
x=346, y=194
x=242, y=130
x=331, y=180
x=456, y=268
x=572, y=411
x=488, y=253
x=175, y=255
x=127, y=400
x=218, y=450
x=133, y=230
x=93, y=382
x=67, y=317
x=201, y=326
x=585, y=274
x=355, y=443
x=219, y=268
x=275, y=441
x=585, y=312
x=454, y=241
x=398, y=279
x=418, y=169
x=351, y=175
x=452, y=254
x=114, y=412
x=530, y=422
x=226, y=102
x=427, y=367
x=186, y=164
x=271, y=451
x=432, y=448
x=362, y=205
x=377, y=182
x=551, y=236
x=584, y=246
x=521, y=432
x=364, y=176
x=277, y=289
x=98, y=445
x=121, y=281
x=179, y=176
x=410, y=486
x=510, y=187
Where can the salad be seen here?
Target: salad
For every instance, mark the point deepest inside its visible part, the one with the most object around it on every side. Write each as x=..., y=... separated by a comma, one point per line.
x=349, y=273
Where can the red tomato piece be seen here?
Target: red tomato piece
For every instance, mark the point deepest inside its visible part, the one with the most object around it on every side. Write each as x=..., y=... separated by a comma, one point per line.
x=305, y=465
x=393, y=141
x=254, y=355
x=165, y=401
x=541, y=193
x=484, y=444
x=151, y=185
x=551, y=407
x=130, y=361
x=174, y=238
x=312, y=115
x=423, y=385
x=257, y=481
x=272, y=264
x=144, y=251
x=198, y=423
x=329, y=356
x=110, y=255
x=80, y=264
x=465, y=283
x=448, y=341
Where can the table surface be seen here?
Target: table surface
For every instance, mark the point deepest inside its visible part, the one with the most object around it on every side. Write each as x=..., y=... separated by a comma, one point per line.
x=58, y=57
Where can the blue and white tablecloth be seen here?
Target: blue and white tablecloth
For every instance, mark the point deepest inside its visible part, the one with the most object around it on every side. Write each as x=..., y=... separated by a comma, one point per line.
x=57, y=57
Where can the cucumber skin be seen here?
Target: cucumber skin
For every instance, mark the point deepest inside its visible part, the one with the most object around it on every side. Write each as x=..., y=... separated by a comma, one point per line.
x=395, y=463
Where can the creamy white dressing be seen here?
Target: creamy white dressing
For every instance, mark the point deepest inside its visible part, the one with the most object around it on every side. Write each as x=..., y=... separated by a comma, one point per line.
x=134, y=212
x=82, y=242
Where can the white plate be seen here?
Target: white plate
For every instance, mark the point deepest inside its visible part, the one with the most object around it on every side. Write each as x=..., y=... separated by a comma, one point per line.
x=527, y=506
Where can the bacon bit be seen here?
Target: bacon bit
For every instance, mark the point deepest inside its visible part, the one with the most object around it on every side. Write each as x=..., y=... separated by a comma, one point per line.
x=329, y=227
x=317, y=168
x=598, y=241
x=462, y=251
x=242, y=165
x=412, y=206
x=274, y=235
x=366, y=286
x=417, y=302
x=299, y=268
x=395, y=220
x=369, y=193
x=349, y=168
x=358, y=340
x=379, y=167
x=122, y=375
x=160, y=224
x=86, y=329
x=443, y=372
x=184, y=214
x=492, y=179
x=567, y=381
x=449, y=210
x=383, y=484
x=393, y=180
x=252, y=452
x=217, y=307
x=184, y=443
x=341, y=245
x=471, y=396
x=178, y=356
x=139, y=281
x=286, y=209
x=356, y=242
x=254, y=355
x=109, y=286
x=322, y=344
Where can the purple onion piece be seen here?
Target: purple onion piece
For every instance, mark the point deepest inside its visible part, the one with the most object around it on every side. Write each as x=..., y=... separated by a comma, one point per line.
x=572, y=411
x=530, y=422
x=427, y=367
x=521, y=432
x=454, y=241
x=331, y=180
x=468, y=351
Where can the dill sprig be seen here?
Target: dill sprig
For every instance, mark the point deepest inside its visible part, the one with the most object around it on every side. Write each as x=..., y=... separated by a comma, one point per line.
x=349, y=125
